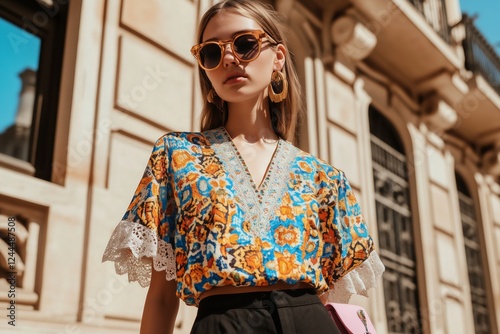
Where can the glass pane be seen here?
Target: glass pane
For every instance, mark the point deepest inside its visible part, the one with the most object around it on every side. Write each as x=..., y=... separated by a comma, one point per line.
x=19, y=57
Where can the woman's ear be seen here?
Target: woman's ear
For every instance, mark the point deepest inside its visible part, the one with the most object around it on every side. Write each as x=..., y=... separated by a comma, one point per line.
x=279, y=60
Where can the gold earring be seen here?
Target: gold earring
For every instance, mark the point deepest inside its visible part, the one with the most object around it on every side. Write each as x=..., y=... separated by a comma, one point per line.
x=280, y=84
x=213, y=98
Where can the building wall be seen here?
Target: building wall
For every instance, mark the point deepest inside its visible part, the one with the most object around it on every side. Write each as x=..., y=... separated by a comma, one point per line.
x=128, y=77
x=147, y=88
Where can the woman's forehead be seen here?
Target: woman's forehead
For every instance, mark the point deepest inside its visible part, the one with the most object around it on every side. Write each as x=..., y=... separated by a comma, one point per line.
x=225, y=24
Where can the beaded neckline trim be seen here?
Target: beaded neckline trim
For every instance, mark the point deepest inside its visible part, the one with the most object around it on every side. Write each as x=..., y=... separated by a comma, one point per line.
x=260, y=203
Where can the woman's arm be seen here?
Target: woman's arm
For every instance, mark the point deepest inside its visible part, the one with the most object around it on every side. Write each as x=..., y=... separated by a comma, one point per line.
x=160, y=309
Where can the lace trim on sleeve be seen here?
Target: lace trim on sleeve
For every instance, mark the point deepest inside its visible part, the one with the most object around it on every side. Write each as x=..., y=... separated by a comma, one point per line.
x=358, y=281
x=132, y=246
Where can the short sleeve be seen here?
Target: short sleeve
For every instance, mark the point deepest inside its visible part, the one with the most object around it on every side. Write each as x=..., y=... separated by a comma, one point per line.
x=144, y=237
x=352, y=266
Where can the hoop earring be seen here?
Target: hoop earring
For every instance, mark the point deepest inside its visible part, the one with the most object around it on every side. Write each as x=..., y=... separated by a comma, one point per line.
x=280, y=84
x=214, y=99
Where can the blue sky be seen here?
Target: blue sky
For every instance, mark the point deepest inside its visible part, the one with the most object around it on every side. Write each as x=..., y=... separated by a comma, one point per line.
x=488, y=21
x=19, y=50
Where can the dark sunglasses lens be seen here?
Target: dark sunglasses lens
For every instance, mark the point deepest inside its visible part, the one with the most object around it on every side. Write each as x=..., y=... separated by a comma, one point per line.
x=210, y=55
x=246, y=47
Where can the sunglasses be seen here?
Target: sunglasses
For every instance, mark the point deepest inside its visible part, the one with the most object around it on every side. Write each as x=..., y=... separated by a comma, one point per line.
x=245, y=47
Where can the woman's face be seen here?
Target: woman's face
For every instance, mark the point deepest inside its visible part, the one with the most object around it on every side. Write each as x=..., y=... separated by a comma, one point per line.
x=236, y=81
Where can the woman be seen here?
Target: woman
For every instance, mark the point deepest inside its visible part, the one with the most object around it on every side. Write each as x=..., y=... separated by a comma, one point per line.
x=235, y=219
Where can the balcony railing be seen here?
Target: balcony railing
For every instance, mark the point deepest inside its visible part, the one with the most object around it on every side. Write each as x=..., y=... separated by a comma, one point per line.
x=434, y=11
x=480, y=57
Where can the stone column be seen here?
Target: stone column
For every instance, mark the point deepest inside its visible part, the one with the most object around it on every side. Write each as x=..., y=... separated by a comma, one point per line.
x=15, y=139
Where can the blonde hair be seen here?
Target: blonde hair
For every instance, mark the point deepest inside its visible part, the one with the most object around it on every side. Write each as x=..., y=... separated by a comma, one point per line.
x=283, y=114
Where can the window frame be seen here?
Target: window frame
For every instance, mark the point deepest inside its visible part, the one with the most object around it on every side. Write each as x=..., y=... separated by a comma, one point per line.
x=466, y=197
x=49, y=23
x=390, y=142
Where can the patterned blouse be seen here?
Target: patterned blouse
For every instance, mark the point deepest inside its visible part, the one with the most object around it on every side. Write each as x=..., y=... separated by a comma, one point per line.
x=198, y=215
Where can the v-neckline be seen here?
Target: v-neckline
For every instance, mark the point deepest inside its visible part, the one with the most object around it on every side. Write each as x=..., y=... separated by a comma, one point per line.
x=259, y=205
x=263, y=184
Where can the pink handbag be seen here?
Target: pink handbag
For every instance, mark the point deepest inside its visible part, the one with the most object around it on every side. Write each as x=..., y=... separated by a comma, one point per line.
x=350, y=319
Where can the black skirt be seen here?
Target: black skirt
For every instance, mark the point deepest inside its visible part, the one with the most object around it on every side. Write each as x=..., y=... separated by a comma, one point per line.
x=274, y=312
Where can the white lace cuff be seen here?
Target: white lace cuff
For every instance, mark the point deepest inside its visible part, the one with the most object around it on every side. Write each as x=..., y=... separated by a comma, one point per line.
x=358, y=281
x=135, y=249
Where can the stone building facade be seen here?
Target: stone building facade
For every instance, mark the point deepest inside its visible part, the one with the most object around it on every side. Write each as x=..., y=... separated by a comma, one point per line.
x=404, y=95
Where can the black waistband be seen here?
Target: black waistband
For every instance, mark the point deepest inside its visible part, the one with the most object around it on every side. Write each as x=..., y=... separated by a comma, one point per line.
x=279, y=298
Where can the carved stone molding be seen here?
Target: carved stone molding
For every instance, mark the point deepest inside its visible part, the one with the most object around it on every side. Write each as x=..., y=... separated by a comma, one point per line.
x=438, y=114
x=21, y=252
x=491, y=161
x=353, y=38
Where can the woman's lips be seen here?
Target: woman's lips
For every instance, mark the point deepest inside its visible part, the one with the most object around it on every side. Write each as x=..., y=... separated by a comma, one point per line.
x=234, y=78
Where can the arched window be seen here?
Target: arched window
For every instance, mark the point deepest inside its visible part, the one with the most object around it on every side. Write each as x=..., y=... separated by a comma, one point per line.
x=395, y=229
x=475, y=267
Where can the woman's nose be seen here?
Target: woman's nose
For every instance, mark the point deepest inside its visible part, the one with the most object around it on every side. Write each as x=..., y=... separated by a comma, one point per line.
x=228, y=56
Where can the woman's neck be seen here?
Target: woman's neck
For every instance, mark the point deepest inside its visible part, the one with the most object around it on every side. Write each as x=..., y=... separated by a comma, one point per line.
x=250, y=121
